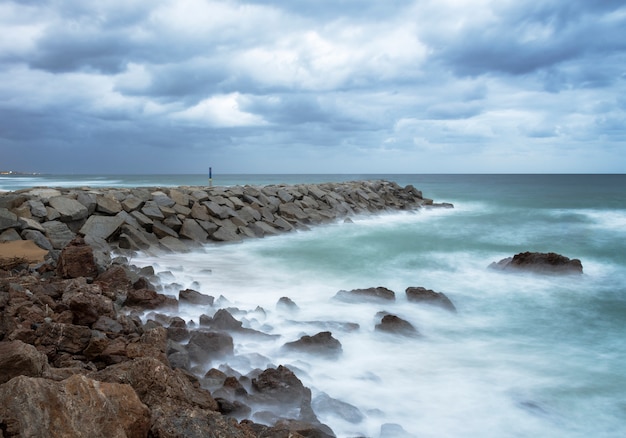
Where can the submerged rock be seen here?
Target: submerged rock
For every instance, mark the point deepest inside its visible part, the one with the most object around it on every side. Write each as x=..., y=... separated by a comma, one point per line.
x=322, y=344
x=369, y=294
x=427, y=296
x=543, y=263
x=396, y=325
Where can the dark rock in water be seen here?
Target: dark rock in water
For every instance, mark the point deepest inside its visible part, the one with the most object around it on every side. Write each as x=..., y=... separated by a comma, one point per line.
x=323, y=403
x=204, y=346
x=544, y=263
x=369, y=294
x=286, y=303
x=280, y=385
x=223, y=320
x=427, y=296
x=392, y=430
x=396, y=325
x=191, y=296
x=322, y=344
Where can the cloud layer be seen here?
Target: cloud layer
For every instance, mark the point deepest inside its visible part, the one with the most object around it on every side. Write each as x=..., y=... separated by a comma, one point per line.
x=350, y=86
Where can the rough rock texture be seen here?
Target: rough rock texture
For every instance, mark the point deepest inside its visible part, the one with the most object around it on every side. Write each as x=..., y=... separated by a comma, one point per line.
x=543, y=263
x=20, y=359
x=77, y=260
x=75, y=407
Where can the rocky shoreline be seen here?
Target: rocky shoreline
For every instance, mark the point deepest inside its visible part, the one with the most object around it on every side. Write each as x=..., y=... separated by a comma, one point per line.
x=77, y=359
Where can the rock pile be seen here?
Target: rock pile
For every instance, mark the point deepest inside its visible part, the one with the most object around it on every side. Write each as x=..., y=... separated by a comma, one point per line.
x=171, y=218
x=76, y=360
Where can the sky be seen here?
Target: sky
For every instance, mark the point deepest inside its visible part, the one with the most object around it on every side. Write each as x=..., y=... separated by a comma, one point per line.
x=313, y=86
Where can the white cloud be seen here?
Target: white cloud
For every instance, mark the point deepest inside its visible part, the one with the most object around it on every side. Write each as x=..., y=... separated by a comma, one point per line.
x=221, y=111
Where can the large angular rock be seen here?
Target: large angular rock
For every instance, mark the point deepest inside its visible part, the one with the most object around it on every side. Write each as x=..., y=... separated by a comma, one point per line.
x=103, y=227
x=38, y=238
x=69, y=338
x=37, y=208
x=58, y=234
x=108, y=205
x=225, y=234
x=69, y=209
x=191, y=296
x=76, y=407
x=193, y=231
x=8, y=219
x=151, y=209
x=20, y=359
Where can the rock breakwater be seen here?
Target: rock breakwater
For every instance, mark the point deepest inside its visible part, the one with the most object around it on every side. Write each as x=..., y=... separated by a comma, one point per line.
x=172, y=219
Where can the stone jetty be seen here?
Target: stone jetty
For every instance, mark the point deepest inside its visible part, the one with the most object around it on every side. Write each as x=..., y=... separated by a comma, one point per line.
x=173, y=219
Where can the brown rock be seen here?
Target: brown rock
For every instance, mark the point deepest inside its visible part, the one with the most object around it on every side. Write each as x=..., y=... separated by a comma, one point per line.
x=322, y=344
x=75, y=407
x=77, y=260
x=61, y=337
x=543, y=263
x=396, y=325
x=369, y=294
x=20, y=359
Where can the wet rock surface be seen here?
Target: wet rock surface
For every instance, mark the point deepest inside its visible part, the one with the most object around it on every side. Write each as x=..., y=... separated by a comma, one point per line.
x=541, y=263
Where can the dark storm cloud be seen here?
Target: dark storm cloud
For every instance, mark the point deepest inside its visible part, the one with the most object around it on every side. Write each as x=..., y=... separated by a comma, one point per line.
x=167, y=86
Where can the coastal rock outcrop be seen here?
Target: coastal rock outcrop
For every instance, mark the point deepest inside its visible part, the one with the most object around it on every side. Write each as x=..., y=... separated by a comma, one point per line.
x=321, y=344
x=370, y=294
x=543, y=263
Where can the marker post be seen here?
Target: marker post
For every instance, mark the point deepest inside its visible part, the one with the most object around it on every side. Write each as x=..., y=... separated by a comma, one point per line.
x=210, y=177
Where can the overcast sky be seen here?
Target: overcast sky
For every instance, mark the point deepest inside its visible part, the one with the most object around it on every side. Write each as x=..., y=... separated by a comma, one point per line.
x=313, y=86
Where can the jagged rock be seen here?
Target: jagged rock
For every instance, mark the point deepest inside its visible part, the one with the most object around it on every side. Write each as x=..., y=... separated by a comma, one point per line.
x=114, y=282
x=30, y=224
x=427, y=296
x=108, y=205
x=161, y=230
x=543, y=263
x=58, y=234
x=37, y=237
x=67, y=338
x=191, y=296
x=193, y=231
x=322, y=344
x=68, y=209
x=280, y=385
x=369, y=294
x=224, y=234
x=77, y=260
x=102, y=226
x=20, y=359
x=396, y=325
x=75, y=407
x=37, y=208
x=173, y=244
x=89, y=200
x=86, y=303
x=151, y=209
x=145, y=298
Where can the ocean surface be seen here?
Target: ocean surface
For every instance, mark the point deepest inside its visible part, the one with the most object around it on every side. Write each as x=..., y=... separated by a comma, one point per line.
x=525, y=355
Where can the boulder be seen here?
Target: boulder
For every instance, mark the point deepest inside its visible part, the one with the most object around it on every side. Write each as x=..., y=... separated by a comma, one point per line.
x=396, y=325
x=145, y=299
x=58, y=234
x=10, y=235
x=68, y=209
x=20, y=359
x=8, y=219
x=68, y=338
x=321, y=344
x=193, y=231
x=324, y=404
x=151, y=209
x=37, y=237
x=543, y=263
x=75, y=407
x=103, y=227
x=224, y=234
x=37, y=208
x=108, y=205
x=191, y=296
x=280, y=385
x=370, y=294
x=427, y=296
x=77, y=260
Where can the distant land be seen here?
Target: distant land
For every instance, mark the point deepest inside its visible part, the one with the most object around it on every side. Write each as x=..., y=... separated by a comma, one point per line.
x=13, y=172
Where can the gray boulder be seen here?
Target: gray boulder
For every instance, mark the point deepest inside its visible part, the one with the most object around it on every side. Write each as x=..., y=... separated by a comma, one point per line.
x=8, y=219
x=102, y=226
x=58, y=234
x=69, y=209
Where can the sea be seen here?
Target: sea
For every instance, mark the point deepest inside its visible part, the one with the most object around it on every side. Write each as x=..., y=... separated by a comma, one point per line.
x=525, y=355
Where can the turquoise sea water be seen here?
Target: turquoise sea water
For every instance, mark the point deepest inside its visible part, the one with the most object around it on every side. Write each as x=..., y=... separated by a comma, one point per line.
x=526, y=355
